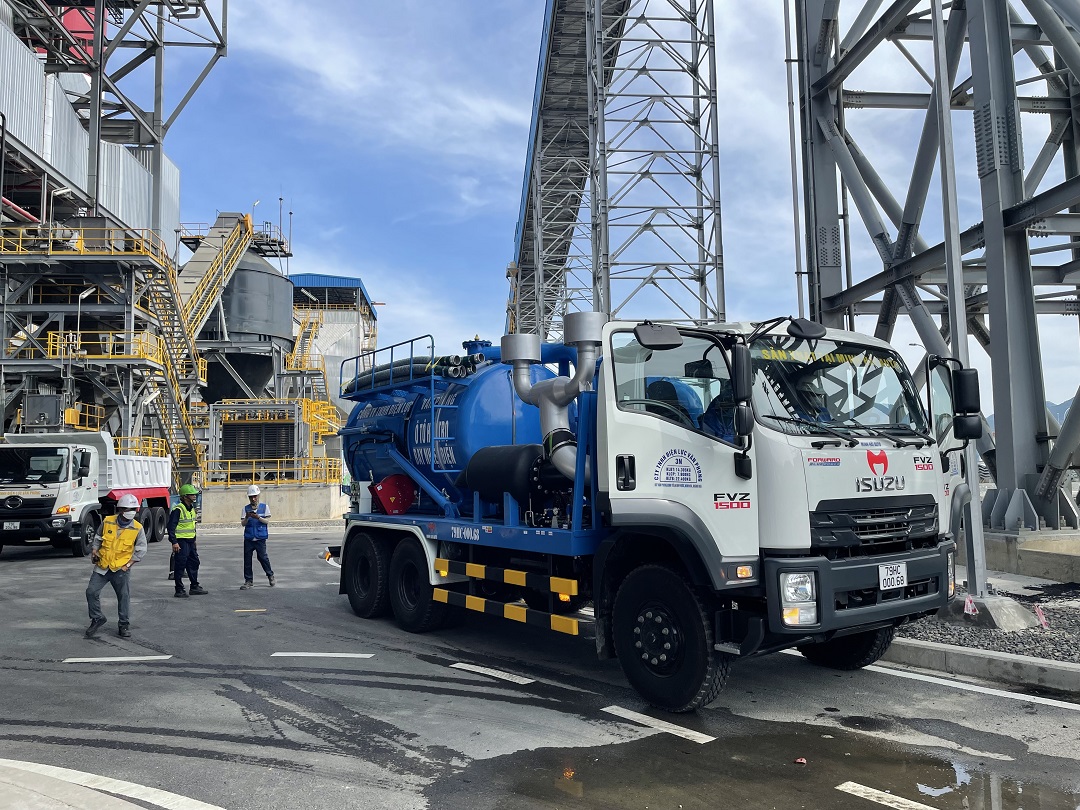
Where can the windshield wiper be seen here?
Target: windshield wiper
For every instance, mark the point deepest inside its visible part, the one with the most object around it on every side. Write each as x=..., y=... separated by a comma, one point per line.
x=926, y=437
x=794, y=420
x=875, y=432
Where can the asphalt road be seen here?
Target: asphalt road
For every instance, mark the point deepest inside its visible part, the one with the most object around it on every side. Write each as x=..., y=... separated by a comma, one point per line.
x=230, y=720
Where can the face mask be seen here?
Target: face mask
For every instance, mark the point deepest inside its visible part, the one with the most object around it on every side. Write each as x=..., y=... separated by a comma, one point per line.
x=128, y=516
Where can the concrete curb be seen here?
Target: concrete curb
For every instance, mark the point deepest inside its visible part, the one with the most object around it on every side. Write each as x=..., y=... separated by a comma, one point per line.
x=1005, y=668
x=26, y=790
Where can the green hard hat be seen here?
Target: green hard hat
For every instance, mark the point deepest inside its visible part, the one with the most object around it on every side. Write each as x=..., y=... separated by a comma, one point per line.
x=188, y=489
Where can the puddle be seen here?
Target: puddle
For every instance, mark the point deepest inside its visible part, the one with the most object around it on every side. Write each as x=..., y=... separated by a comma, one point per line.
x=744, y=770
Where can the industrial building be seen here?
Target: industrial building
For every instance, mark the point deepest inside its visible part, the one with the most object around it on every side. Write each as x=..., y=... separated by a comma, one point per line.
x=178, y=339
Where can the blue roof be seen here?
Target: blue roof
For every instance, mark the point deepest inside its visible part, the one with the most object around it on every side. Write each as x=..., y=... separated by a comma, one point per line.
x=317, y=280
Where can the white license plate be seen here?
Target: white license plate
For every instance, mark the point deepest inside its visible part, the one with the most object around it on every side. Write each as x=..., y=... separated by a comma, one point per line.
x=11, y=525
x=892, y=576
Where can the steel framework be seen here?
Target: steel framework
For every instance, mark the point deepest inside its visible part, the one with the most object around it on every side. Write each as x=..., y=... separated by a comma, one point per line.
x=621, y=200
x=996, y=54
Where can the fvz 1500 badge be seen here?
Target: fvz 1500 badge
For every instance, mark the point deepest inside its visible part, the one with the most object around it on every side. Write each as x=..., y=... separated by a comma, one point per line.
x=731, y=500
x=878, y=462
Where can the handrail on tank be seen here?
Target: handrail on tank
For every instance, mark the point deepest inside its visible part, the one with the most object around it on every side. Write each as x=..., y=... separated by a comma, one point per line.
x=394, y=372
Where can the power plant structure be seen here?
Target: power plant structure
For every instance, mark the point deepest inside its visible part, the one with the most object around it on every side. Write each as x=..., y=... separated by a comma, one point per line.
x=216, y=359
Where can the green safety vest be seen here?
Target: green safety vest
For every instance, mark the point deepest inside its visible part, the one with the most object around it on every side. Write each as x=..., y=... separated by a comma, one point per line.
x=185, y=527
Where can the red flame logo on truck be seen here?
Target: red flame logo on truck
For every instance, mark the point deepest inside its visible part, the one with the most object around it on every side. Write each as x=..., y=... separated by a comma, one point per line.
x=877, y=459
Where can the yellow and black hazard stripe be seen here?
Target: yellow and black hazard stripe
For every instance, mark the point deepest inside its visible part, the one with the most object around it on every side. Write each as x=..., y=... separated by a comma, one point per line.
x=538, y=582
x=517, y=613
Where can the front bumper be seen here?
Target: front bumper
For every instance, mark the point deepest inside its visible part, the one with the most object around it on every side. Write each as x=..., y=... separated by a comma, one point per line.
x=848, y=592
x=33, y=529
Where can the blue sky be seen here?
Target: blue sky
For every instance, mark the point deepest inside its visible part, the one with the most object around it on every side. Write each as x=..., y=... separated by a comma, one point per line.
x=397, y=134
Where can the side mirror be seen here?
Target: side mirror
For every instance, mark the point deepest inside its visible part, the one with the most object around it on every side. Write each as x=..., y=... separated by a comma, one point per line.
x=967, y=426
x=742, y=381
x=965, y=384
x=84, y=471
x=744, y=420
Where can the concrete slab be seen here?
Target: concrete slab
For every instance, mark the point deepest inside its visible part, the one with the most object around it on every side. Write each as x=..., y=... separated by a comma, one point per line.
x=992, y=612
x=26, y=790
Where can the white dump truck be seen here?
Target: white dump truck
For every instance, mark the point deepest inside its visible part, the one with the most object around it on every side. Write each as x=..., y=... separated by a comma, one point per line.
x=56, y=488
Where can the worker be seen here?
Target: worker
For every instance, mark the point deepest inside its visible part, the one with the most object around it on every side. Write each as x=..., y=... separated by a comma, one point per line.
x=120, y=544
x=254, y=519
x=182, y=531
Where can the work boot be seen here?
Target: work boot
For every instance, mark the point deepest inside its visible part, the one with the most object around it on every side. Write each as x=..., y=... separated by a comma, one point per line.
x=247, y=584
x=95, y=625
x=271, y=578
x=123, y=631
x=181, y=595
x=197, y=590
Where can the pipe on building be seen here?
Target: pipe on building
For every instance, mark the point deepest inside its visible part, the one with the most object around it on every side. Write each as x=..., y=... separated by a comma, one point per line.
x=21, y=213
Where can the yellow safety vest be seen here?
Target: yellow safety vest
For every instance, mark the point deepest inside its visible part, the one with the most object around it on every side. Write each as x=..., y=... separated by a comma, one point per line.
x=117, y=544
x=185, y=528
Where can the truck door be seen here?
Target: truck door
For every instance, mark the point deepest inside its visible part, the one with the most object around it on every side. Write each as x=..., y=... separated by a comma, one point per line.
x=667, y=444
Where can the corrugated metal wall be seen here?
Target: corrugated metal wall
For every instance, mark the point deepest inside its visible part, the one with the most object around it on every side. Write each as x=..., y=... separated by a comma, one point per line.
x=22, y=91
x=67, y=143
x=40, y=117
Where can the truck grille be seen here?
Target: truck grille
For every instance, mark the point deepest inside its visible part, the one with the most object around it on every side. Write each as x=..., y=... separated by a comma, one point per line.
x=875, y=526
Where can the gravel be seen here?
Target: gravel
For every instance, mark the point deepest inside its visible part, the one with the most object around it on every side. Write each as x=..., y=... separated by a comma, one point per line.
x=1059, y=642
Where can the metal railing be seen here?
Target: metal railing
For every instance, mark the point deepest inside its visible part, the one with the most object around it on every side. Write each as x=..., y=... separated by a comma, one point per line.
x=209, y=288
x=240, y=472
x=144, y=346
x=63, y=240
x=140, y=446
x=84, y=416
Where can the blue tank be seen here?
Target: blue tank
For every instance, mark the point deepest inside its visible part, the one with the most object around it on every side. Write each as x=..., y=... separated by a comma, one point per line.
x=470, y=413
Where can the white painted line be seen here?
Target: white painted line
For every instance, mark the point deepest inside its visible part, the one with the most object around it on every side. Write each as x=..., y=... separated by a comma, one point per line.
x=659, y=725
x=881, y=797
x=117, y=659
x=250, y=610
x=161, y=798
x=967, y=687
x=494, y=673
x=320, y=655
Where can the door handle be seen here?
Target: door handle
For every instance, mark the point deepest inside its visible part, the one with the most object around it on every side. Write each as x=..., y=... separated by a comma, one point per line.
x=625, y=473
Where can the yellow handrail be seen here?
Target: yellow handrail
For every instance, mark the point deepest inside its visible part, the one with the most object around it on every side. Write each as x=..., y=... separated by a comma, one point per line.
x=63, y=240
x=197, y=308
x=239, y=472
x=105, y=346
x=140, y=446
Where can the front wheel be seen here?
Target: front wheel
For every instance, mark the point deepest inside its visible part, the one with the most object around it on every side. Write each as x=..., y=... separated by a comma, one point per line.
x=411, y=594
x=850, y=652
x=84, y=544
x=367, y=576
x=664, y=640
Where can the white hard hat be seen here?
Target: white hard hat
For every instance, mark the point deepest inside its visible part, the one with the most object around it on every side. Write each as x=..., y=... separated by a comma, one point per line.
x=253, y=490
x=128, y=501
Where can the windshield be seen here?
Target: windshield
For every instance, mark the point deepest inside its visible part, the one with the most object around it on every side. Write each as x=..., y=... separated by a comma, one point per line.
x=38, y=465
x=806, y=385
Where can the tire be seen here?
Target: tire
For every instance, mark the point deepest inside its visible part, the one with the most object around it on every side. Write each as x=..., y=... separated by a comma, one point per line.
x=850, y=652
x=649, y=601
x=159, y=520
x=83, y=546
x=539, y=601
x=1, y=549
x=411, y=594
x=367, y=576
x=146, y=520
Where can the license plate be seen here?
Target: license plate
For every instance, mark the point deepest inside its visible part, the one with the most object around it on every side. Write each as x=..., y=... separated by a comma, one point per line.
x=11, y=525
x=892, y=576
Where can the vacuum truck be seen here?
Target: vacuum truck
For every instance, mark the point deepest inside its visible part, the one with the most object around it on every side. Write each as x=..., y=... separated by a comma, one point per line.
x=715, y=492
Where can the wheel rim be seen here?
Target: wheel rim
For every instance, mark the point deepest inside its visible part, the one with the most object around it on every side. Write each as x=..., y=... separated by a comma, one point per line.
x=408, y=587
x=658, y=639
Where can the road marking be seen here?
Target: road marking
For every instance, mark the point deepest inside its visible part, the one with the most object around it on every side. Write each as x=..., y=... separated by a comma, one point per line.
x=968, y=687
x=320, y=655
x=659, y=725
x=250, y=610
x=494, y=673
x=161, y=798
x=116, y=659
x=879, y=796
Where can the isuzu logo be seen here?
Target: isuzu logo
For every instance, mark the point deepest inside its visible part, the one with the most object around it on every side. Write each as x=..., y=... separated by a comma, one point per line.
x=877, y=459
x=878, y=462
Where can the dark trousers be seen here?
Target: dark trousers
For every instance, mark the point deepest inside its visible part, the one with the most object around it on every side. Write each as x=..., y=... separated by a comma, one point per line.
x=259, y=548
x=120, y=581
x=187, y=559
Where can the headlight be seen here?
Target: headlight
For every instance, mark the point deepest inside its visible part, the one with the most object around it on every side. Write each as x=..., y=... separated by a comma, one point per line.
x=797, y=587
x=798, y=597
x=952, y=574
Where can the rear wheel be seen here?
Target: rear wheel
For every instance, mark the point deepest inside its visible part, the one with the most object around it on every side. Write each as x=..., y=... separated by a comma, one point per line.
x=146, y=520
x=83, y=545
x=159, y=520
x=850, y=652
x=664, y=640
x=367, y=576
x=411, y=594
